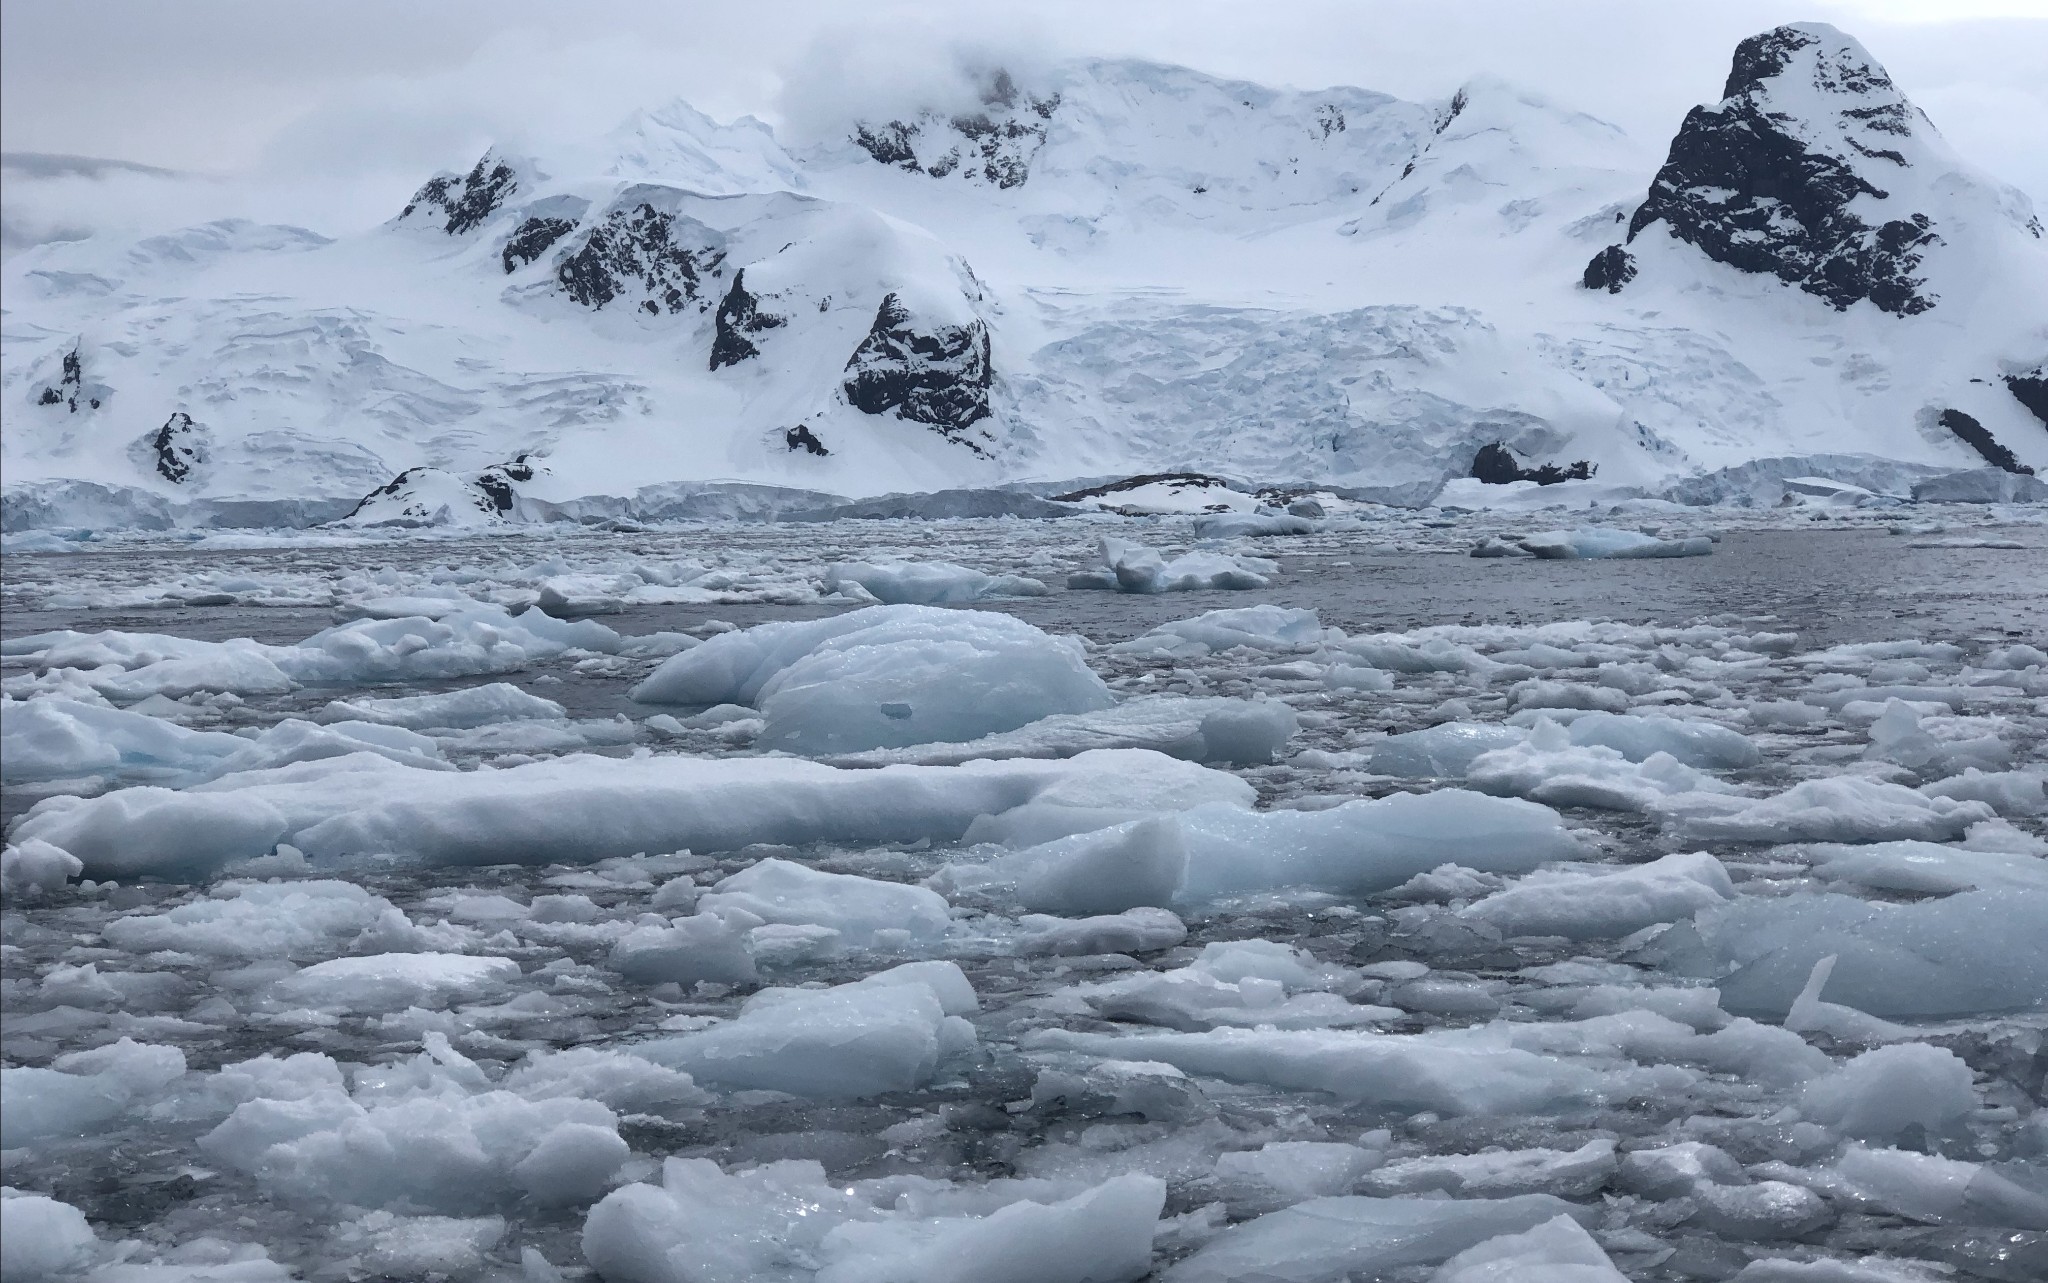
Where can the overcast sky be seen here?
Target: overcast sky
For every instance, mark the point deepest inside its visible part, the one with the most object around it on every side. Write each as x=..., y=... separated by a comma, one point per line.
x=378, y=92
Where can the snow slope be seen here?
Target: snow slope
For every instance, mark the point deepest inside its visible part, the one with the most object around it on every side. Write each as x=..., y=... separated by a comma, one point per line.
x=1119, y=267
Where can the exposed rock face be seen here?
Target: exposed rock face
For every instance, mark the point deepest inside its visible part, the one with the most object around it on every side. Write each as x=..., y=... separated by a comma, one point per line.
x=1497, y=465
x=69, y=390
x=176, y=448
x=462, y=203
x=1978, y=437
x=533, y=238
x=994, y=145
x=642, y=252
x=1778, y=177
x=437, y=497
x=740, y=315
x=801, y=437
x=1610, y=269
x=938, y=375
x=2031, y=389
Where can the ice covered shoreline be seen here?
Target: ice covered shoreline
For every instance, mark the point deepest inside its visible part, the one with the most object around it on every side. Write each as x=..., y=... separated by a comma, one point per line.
x=1397, y=911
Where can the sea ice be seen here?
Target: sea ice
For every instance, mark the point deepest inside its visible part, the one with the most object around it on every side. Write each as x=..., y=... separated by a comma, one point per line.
x=41, y=1239
x=1134, y=568
x=1609, y=904
x=1260, y=628
x=1328, y=1240
x=1881, y=1093
x=926, y=583
x=1549, y=768
x=859, y=909
x=393, y=981
x=464, y=709
x=1588, y=542
x=1557, y=1251
x=1840, y=808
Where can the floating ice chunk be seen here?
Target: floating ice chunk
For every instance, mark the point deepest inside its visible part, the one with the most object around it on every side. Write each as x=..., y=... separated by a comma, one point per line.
x=54, y=738
x=42, y=1239
x=1101, y=1236
x=294, y=740
x=1557, y=1251
x=857, y=908
x=1565, y=1173
x=1607, y=905
x=1977, y=951
x=1133, y=568
x=1109, y=1087
x=1463, y=1075
x=1262, y=628
x=1344, y=677
x=1588, y=542
x=1440, y=752
x=1761, y=1210
x=1328, y=1240
x=1244, y=982
x=702, y=1226
x=1897, y=736
x=1538, y=692
x=1882, y=1092
x=1132, y=931
x=886, y=1033
x=1671, y=1171
x=1924, y=867
x=1133, y=865
x=1287, y=1171
x=2023, y=792
x=454, y=710
x=1234, y=525
x=928, y=583
x=255, y=920
x=1237, y=731
x=1639, y=738
x=83, y=1090
x=572, y=1164
x=625, y=1082
x=1928, y=1187
x=1549, y=768
x=591, y=808
x=2015, y=658
x=686, y=951
x=1870, y=1269
x=1367, y=846
x=407, y=1246
x=394, y=981
x=34, y=867
x=1841, y=808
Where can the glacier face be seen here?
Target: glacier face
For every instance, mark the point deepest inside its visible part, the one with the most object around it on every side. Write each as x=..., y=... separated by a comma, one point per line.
x=1116, y=268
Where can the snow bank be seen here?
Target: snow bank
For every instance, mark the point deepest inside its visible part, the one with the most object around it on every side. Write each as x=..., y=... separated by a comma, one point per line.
x=925, y=583
x=884, y=676
x=581, y=809
x=1134, y=568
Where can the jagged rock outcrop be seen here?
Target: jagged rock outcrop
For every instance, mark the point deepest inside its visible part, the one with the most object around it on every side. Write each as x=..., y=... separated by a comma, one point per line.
x=1782, y=176
x=2030, y=388
x=739, y=315
x=1496, y=465
x=801, y=437
x=994, y=145
x=533, y=238
x=461, y=203
x=644, y=252
x=936, y=374
x=1975, y=435
x=175, y=449
x=1610, y=269
x=438, y=497
x=69, y=390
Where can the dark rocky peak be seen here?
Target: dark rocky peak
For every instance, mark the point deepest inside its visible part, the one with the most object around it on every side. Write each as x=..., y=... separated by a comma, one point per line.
x=497, y=481
x=931, y=372
x=994, y=145
x=461, y=203
x=540, y=225
x=175, y=449
x=1812, y=168
x=801, y=437
x=740, y=317
x=644, y=253
x=437, y=496
x=69, y=389
x=2030, y=388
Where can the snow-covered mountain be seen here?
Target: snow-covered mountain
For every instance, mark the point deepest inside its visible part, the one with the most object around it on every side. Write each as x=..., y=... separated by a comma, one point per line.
x=1111, y=267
